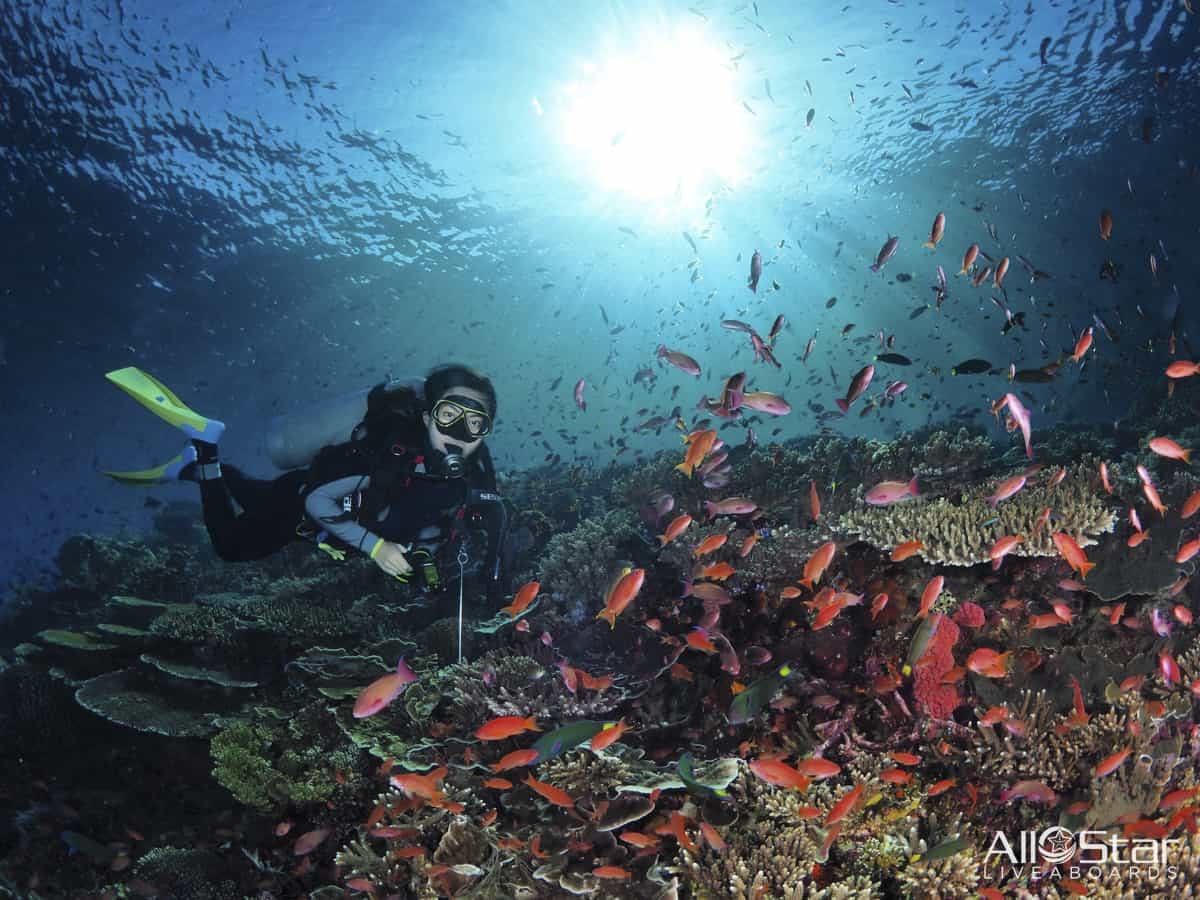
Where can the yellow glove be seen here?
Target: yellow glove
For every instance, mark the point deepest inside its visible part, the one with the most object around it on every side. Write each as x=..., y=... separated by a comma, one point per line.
x=333, y=551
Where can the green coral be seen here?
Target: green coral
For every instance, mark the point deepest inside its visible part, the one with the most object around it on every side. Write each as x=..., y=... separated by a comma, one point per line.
x=242, y=768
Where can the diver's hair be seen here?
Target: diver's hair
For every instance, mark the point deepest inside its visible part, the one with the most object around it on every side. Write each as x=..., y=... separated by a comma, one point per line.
x=441, y=379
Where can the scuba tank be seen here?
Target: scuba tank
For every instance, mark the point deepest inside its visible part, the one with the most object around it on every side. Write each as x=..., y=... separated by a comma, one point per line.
x=293, y=439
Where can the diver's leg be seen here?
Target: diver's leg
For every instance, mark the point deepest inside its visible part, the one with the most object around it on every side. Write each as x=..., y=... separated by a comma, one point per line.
x=249, y=518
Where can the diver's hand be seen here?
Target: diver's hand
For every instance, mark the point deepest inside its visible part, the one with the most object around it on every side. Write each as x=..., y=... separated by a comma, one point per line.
x=390, y=557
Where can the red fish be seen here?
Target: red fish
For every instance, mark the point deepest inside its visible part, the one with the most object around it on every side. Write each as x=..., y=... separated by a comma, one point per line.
x=522, y=599
x=382, y=691
x=515, y=760
x=1166, y=447
x=843, y=806
x=610, y=733
x=1082, y=345
x=779, y=774
x=1110, y=764
x=621, y=595
x=989, y=663
x=816, y=767
x=817, y=564
x=556, y=796
x=678, y=525
x=929, y=596
x=310, y=841
x=414, y=784
x=1072, y=553
x=502, y=727
x=968, y=259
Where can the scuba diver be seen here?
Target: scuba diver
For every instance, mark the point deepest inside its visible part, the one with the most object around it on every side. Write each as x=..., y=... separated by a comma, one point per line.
x=408, y=482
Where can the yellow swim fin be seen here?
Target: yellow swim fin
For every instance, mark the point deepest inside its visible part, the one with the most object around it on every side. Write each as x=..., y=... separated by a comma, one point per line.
x=168, y=471
x=160, y=400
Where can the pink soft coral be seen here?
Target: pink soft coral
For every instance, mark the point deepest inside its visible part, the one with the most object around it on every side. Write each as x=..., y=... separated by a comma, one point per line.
x=933, y=698
x=969, y=615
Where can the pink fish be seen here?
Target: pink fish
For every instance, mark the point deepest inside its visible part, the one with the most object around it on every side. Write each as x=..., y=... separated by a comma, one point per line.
x=681, y=361
x=755, y=271
x=886, y=252
x=382, y=691
x=310, y=841
x=729, y=660
x=858, y=384
x=579, y=401
x=730, y=506
x=1021, y=416
x=888, y=492
x=1037, y=791
x=895, y=389
x=762, y=352
x=766, y=402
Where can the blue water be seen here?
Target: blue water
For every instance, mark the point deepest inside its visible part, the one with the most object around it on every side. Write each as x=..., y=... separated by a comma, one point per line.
x=267, y=204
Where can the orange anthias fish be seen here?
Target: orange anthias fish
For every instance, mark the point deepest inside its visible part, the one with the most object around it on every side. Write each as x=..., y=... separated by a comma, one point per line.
x=699, y=444
x=929, y=596
x=780, y=774
x=379, y=693
x=989, y=663
x=678, y=525
x=1082, y=345
x=1110, y=764
x=522, y=600
x=621, y=595
x=415, y=785
x=557, y=796
x=903, y=551
x=1166, y=447
x=709, y=544
x=698, y=639
x=612, y=872
x=717, y=571
x=515, y=760
x=1072, y=553
x=844, y=806
x=818, y=768
x=610, y=733
x=817, y=564
x=503, y=727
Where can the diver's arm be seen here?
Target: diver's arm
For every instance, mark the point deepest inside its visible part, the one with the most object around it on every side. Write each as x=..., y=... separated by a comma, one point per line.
x=325, y=504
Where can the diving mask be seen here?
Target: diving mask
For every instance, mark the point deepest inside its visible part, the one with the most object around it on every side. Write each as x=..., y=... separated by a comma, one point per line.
x=456, y=417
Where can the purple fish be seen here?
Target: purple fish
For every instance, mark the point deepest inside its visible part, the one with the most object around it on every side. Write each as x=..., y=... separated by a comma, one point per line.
x=755, y=271
x=857, y=385
x=579, y=401
x=885, y=253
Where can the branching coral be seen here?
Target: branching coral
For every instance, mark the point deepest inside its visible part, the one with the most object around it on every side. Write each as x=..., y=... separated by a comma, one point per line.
x=958, y=534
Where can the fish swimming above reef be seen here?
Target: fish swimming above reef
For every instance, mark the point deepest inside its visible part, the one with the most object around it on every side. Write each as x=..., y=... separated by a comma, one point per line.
x=749, y=703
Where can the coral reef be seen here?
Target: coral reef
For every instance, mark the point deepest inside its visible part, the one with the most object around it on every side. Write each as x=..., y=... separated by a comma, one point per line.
x=960, y=533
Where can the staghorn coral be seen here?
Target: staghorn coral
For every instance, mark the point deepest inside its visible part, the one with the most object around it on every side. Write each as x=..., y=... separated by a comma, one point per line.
x=944, y=879
x=580, y=772
x=955, y=533
x=520, y=686
x=1043, y=754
